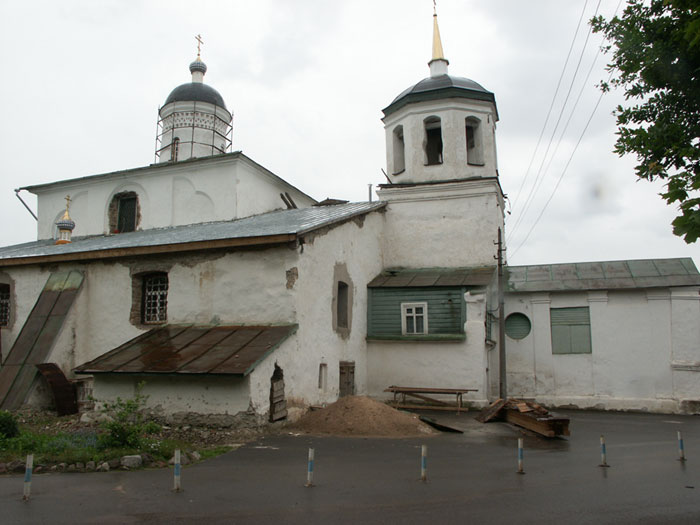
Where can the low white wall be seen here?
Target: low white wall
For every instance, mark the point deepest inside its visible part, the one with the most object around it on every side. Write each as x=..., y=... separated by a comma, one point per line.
x=202, y=395
x=635, y=338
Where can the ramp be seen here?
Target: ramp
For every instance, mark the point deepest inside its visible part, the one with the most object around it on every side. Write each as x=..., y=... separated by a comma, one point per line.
x=37, y=337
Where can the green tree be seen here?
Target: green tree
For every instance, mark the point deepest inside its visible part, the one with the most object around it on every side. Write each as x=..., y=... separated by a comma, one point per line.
x=655, y=48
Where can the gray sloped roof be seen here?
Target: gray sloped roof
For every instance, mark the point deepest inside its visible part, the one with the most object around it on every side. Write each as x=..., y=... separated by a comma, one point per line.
x=603, y=275
x=440, y=87
x=266, y=228
x=424, y=277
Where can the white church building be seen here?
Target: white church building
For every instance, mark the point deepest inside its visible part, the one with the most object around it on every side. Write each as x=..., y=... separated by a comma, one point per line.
x=226, y=290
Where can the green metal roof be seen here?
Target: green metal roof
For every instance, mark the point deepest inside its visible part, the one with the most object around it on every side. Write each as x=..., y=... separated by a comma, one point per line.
x=424, y=277
x=603, y=275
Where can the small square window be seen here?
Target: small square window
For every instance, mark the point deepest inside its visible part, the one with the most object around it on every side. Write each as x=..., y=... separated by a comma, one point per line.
x=4, y=304
x=155, y=298
x=414, y=318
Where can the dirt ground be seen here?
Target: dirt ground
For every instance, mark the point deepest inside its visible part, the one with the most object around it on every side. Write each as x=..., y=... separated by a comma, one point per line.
x=350, y=416
x=361, y=416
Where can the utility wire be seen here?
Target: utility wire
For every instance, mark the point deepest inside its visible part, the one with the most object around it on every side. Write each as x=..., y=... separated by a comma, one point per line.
x=551, y=106
x=536, y=184
x=562, y=134
x=561, y=177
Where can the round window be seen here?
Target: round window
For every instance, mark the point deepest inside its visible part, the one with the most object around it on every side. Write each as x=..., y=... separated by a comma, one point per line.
x=518, y=326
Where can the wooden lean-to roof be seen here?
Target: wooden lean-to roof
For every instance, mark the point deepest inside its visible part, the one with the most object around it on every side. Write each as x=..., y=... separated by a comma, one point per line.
x=192, y=350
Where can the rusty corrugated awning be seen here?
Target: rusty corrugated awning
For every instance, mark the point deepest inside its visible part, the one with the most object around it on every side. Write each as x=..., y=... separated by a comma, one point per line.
x=187, y=349
x=425, y=277
x=37, y=337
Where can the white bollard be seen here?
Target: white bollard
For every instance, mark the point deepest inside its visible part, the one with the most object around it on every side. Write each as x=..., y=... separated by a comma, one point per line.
x=310, y=469
x=681, y=448
x=424, y=463
x=177, y=487
x=520, y=456
x=28, y=477
x=603, y=453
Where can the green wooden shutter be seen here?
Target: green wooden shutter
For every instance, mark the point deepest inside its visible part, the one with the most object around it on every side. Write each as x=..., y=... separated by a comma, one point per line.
x=571, y=330
x=517, y=326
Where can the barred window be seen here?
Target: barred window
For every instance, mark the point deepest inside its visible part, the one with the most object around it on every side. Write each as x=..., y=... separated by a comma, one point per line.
x=4, y=304
x=155, y=298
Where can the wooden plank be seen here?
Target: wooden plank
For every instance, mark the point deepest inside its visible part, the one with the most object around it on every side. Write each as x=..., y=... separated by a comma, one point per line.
x=426, y=398
x=452, y=408
x=549, y=427
x=492, y=411
x=428, y=390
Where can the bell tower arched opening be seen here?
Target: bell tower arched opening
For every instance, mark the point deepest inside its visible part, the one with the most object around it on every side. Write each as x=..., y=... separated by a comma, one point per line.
x=432, y=145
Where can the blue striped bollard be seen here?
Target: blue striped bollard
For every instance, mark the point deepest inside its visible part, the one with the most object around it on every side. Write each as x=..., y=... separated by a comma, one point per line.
x=603, y=453
x=177, y=487
x=310, y=469
x=424, y=463
x=28, y=477
x=520, y=456
x=681, y=448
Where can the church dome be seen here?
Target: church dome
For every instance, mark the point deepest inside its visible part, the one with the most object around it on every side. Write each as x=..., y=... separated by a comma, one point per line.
x=195, y=92
x=440, y=87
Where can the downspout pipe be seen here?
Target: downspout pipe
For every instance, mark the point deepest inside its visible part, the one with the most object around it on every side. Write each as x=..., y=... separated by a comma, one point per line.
x=25, y=204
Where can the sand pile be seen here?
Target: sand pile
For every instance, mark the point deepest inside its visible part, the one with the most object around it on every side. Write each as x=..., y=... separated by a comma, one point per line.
x=362, y=416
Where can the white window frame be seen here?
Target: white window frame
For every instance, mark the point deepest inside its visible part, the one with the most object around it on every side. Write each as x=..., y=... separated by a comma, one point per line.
x=404, y=314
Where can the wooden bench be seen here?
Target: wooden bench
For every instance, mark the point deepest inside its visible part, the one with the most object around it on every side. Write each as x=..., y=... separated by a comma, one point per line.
x=400, y=393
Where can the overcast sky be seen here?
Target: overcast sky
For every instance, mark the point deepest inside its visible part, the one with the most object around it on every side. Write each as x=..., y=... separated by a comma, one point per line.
x=306, y=80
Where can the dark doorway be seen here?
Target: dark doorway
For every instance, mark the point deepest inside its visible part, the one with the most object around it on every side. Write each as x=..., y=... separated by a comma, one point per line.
x=347, y=378
x=278, y=404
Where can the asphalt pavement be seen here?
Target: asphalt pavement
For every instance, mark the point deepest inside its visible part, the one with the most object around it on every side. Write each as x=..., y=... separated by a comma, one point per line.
x=471, y=479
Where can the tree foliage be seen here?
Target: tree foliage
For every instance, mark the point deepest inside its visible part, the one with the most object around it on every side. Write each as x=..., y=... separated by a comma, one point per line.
x=655, y=48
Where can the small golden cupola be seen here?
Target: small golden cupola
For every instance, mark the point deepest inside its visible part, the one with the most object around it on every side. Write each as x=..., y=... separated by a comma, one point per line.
x=65, y=225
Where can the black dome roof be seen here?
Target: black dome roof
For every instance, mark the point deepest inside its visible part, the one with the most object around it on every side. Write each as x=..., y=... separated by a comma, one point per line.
x=442, y=86
x=196, y=92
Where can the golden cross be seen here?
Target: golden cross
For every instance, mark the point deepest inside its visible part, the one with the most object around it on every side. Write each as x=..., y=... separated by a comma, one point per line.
x=199, y=40
x=68, y=199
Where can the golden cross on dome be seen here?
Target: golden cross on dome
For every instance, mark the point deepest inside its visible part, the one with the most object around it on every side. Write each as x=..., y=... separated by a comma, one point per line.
x=199, y=40
x=68, y=201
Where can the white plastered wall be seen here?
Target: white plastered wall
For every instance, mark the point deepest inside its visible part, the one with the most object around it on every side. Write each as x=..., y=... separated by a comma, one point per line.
x=442, y=225
x=634, y=337
x=356, y=244
x=459, y=364
x=214, y=189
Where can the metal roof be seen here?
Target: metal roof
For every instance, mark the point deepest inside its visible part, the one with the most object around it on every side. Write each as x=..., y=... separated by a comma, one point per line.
x=267, y=228
x=192, y=350
x=196, y=91
x=423, y=277
x=440, y=87
x=603, y=275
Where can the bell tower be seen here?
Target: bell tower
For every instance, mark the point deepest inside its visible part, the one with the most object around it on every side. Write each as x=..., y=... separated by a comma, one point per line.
x=194, y=121
x=442, y=128
x=445, y=204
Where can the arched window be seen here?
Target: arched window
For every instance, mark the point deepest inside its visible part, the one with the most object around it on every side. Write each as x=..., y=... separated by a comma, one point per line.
x=433, y=141
x=399, y=159
x=475, y=150
x=124, y=212
x=175, y=149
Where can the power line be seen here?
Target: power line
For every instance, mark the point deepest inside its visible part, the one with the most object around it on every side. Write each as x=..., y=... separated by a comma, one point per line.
x=539, y=176
x=551, y=106
x=561, y=177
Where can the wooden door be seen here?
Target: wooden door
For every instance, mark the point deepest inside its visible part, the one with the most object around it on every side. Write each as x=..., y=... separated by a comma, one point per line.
x=278, y=403
x=347, y=378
